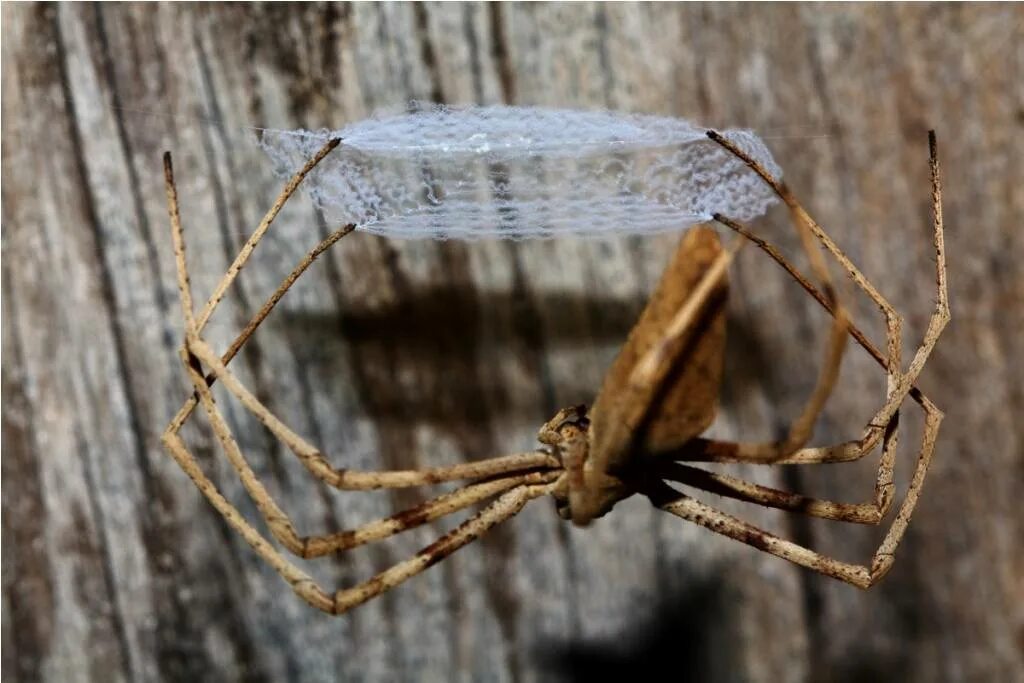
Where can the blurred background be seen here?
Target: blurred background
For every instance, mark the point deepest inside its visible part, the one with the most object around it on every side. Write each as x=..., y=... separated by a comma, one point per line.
x=398, y=353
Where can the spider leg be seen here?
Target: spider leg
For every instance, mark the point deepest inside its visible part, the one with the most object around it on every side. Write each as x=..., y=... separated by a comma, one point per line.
x=246, y=251
x=301, y=583
x=423, y=513
x=734, y=487
x=705, y=450
x=899, y=384
x=670, y=500
x=317, y=464
x=507, y=505
x=280, y=525
x=801, y=428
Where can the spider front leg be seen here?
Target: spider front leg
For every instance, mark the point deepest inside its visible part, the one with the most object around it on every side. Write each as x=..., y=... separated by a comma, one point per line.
x=236, y=266
x=505, y=506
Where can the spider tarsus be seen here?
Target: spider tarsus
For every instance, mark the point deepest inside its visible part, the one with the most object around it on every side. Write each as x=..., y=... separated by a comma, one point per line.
x=168, y=171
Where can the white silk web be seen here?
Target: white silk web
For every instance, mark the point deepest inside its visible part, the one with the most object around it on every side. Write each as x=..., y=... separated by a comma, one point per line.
x=519, y=172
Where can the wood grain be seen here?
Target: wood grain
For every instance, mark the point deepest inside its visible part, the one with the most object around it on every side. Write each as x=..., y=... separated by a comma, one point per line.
x=390, y=354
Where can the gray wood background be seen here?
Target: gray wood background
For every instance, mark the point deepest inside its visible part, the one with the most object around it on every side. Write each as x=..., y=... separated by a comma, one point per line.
x=395, y=353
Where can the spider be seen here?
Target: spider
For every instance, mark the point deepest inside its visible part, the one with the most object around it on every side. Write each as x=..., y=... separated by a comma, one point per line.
x=644, y=428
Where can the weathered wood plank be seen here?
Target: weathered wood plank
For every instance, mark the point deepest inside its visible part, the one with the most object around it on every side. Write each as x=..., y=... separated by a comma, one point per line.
x=396, y=353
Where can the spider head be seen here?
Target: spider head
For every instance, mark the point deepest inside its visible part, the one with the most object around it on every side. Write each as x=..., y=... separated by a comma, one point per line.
x=581, y=494
x=566, y=427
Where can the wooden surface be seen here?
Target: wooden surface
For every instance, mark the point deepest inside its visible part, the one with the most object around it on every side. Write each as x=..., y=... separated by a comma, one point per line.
x=396, y=353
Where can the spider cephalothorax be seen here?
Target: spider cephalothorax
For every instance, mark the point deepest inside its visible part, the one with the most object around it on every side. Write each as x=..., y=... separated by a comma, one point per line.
x=643, y=430
x=582, y=493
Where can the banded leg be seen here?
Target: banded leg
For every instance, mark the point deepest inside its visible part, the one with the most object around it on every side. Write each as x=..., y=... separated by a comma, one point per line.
x=428, y=511
x=862, y=576
x=508, y=505
x=740, y=489
x=706, y=450
x=283, y=528
x=505, y=507
x=349, y=480
x=893, y=321
x=250, y=244
x=190, y=404
x=801, y=429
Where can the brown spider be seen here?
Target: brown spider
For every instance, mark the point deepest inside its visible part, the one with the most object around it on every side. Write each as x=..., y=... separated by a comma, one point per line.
x=658, y=397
